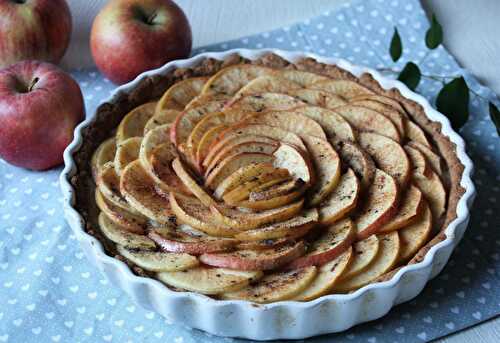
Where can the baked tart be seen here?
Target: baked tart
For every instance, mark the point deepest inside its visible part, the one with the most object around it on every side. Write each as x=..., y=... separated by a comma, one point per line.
x=265, y=180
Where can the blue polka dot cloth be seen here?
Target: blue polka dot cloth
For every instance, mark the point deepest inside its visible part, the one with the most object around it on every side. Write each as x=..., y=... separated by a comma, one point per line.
x=49, y=293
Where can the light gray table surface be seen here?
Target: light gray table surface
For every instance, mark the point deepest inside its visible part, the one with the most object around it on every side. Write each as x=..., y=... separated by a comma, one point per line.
x=471, y=34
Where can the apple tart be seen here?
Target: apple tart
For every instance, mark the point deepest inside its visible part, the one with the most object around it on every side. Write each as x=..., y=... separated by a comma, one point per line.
x=267, y=180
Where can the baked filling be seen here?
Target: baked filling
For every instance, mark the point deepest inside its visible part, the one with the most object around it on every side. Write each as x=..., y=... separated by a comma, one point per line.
x=266, y=183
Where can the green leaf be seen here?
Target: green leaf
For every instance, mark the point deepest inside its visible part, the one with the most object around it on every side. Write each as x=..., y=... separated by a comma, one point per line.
x=410, y=75
x=396, y=49
x=453, y=102
x=495, y=116
x=434, y=35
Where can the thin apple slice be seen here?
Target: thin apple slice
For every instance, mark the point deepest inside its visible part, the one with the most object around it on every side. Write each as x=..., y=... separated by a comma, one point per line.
x=158, y=261
x=228, y=81
x=385, y=260
x=334, y=125
x=189, y=181
x=410, y=208
x=203, y=99
x=433, y=158
x=109, y=185
x=161, y=171
x=265, y=102
x=342, y=200
x=419, y=163
x=127, y=151
x=258, y=172
x=231, y=164
x=290, y=121
x=416, y=134
x=395, y=116
x=434, y=192
x=243, y=144
x=205, y=145
x=209, y=280
x=345, y=88
x=176, y=241
x=123, y=237
x=318, y=98
x=255, y=259
x=276, y=196
x=364, y=252
x=384, y=100
x=359, y=160
x=296, y=162
x=104, y=153
x=247, y=147
x=292, y=228
x=192, y=212
x=328, y=275
x=365, y=119
x=151, y=140
x=209, y=121
x=263, y=244
x=138, y=188
x=302, y=78
x=331, y=243
x=186, y=121
x=242, y=130
x=388, y=155
x=132, y=125
x=380, y=205
x=274, y=287
x=415, y=235
x=246, y=221
x=326, y=163
x=266, y=84
x=127, y=220
x=239, y=186
x=161, y=118
x=180, y=94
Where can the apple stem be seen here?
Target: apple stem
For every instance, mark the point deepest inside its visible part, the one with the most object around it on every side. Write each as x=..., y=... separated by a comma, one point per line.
x=151, y=19
x=33, y=83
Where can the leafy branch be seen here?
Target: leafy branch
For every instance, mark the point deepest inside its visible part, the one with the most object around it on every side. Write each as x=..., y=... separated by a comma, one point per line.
x=454, y=96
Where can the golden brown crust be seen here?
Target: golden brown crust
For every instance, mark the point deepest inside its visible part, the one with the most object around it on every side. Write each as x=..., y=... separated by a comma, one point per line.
x=110, y=114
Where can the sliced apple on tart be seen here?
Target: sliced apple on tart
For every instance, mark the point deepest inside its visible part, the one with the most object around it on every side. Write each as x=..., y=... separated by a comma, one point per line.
x=358, y=160
x=119, y=235
x=206, y=280
x=158, y=261
x=132, y=125
x=180, y=94
x=127, y=151
x=104, y=153
x=121, y=217
x=345, y=88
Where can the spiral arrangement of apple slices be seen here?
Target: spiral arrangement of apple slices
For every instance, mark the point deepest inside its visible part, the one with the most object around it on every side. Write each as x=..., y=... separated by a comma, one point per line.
x=266, y=185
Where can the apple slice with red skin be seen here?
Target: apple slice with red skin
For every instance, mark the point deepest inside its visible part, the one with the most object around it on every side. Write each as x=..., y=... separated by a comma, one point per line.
x=359, y=160
x=415, y=235
x=165, y=178
x=263, y=244
x=276, y=196
x=277, y=190
x=410, y=208
x=172, y=240
x=255, y=259
x=380, y=206
x=331, y=243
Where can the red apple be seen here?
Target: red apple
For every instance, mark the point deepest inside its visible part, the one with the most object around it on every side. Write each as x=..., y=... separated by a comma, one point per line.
x=33, y=30
x=40, y=105
x=132, y=36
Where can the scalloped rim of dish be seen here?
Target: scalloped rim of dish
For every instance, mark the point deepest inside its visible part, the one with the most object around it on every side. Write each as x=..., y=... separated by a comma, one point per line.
x=463, y=204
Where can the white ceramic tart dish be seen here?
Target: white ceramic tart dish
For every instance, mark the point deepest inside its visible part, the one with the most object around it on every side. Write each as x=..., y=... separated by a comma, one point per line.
x=403, y=277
